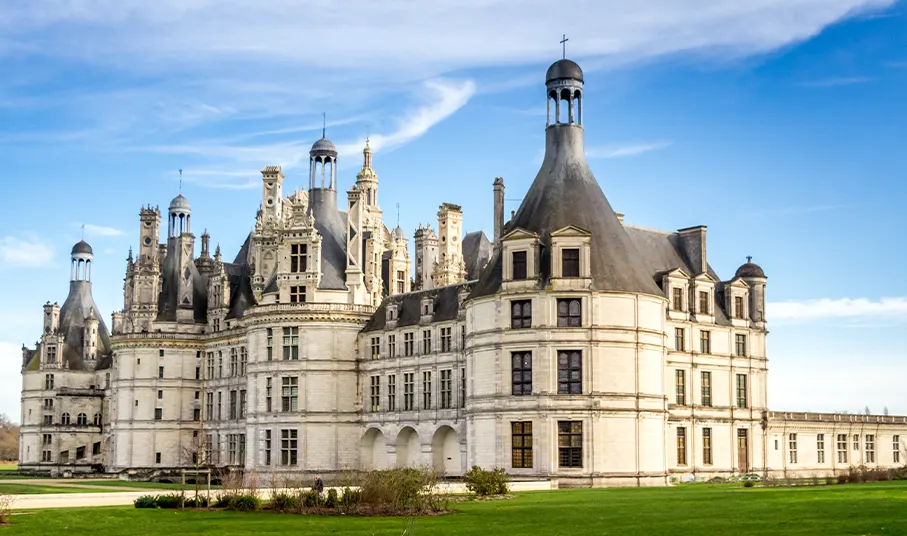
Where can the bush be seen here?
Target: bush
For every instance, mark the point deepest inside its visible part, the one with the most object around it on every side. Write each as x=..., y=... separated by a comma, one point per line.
x=6, y=507
x=482, y=482
x=331, y=500
x=311, y=499
x=284, y=501
x=245, y=503
x=169, y=501
x=146, y=501
x=749, y=484
x=350, y=497
x=401, y=490
x=196, y=502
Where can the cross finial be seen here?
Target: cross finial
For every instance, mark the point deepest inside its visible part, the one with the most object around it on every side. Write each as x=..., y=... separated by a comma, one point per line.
x=564, y=45
x=181, y=182
x=398, y=214
x=749, y=259
x=324, y=124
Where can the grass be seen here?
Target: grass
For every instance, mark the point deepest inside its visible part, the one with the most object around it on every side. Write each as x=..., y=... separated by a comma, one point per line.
x=8, y=467
x=146, y=485
x=689, y=510
x=33, y=489
x=80, y=486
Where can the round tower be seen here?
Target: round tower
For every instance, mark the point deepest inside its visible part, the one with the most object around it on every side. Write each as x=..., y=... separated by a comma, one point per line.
x=323, y=165
x=564, y=83
x=755, y=277
x=81, y=256
x=180, y=216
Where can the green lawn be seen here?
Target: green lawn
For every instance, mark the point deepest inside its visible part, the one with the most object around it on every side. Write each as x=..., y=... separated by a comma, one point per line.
x=145, y=485
x=691, y=509
x=9, y=467
x=32, y=489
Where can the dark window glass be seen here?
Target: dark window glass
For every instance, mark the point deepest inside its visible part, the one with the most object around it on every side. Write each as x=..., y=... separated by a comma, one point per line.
x=521, y=445
x=570, y=372
x=521, y=372
x=570, y=443
x=569, y=312
x=519, y=265
x=570, y=263
x=520, y=314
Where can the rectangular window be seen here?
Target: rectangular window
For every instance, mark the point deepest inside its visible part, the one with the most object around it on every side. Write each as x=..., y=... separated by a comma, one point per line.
x=47, y=456
x=242, y=404
x=705, y=342
x=792, y=448
x=289, y=396
x=297, y=294
x=270, y=344
x=521, y=445
x=47, y=439
x=375, y=394
x=445, y=339
x=291, y=343
x=446, y=389
x=241, y=443
x=569, y=312
x=896, y=449
x=232, y=405
x=820, y=448
x=268, y=394
x=740, y=344
x=298, y=258
x=856, y=442
x=570, y=443
x=426, y=341
x=677, y=301
x=157, y=457
x=570, y=262
x=160, y=372
x=210, y=366
x=234, y=362
x=267, y=447
x=160, y=394
x=48, y=382
x=463, y=387
x=392, y=345
x=289, y=442
x=80, y=453
x=158, y=414
x=706, y=388
x=48, y=420
x=48, y=404
x=462, y=337
x=738, y=306
x=392, y=392
x=51, y=355
x=870, y=448
x=704, y=302
x=519, y=265
x=741, y=390
x=231, y=449
x=198, y=375
x=426, y=390
x=96, y=448
x=842, y=448
x=679, y=339
x=569, y=372
x=707, y=446
x=680, y=387
x=243, y=360
x=376, y=347
x=521, y=373
x=401, y=281
x=196, y=414
x=681, y=446
x=209, y=406
x=408, y=344
x=409, y=391
x=520, y=314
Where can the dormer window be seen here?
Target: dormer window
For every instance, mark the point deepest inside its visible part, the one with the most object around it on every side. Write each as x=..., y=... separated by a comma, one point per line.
x=297, y=294
x=738, y=307
x=519, y=265
x=298, y=258
x=677, y=303
x=704, y=302
x=570, y=262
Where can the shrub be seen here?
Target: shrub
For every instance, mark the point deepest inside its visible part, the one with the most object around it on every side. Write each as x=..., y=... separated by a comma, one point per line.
x=245, y=503
x=169, y=501
x=196, y=502
x=311, y=499
x=401, y=490
x=6, y=507
x=749, y=484
x=350, y=497
x=146, y=501
x=482, y=482
x=284, y=501
x=330, y=501
x=223, y=501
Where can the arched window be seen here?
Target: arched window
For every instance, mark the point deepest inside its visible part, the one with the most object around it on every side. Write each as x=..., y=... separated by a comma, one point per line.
x=64, y=419
x=569, y=313
x=82, y=420
x=97, y=419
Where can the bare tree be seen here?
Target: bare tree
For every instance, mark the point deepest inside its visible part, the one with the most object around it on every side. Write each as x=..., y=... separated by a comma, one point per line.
x=9, y=439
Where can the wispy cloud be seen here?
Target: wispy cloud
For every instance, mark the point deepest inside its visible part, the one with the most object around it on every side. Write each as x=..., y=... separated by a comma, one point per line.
x=621, y=151
x=792, y=210
x=100, y=230
x=444, y=98
x=843, y=308
x=224, y=179
x=835, y=82
x=29, y=253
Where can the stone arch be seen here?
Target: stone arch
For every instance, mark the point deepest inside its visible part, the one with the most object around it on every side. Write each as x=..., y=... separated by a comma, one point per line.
x=445, y=451
x=373, y=450
x=409, y=449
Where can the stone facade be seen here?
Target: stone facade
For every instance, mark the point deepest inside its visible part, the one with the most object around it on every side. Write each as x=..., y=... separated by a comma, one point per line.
x=574, y=346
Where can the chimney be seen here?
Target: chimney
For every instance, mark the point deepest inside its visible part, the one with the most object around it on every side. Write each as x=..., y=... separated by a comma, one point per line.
x=498, y=210
x=693, y=241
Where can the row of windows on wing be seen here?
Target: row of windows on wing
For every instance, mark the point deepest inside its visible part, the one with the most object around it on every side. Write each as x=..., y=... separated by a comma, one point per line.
x=237, y=363
x=569, y=257
x=704, y=304
x=569, y=444
x=569, y=372
x=47, y=454
x=705, y=342
x=706, y=446
x=705, y=389
x=233, y=409
x=451, y=392
x=868, y=453
x=234, y=445
x=569, y=313
x=410, y=347
x=66, y=418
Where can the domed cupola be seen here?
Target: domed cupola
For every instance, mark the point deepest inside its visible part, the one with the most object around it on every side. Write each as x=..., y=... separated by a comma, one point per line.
x=180, y=216
x=399, y=234
x=82, y=256
x=750, y=269
x=82, y=247
x=564, y=82
x=323, y=164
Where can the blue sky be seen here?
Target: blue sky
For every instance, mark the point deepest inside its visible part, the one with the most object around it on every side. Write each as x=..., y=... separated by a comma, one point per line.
x=779, y=124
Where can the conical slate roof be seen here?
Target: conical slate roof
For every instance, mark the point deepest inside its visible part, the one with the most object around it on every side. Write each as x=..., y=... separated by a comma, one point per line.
x=566, y=193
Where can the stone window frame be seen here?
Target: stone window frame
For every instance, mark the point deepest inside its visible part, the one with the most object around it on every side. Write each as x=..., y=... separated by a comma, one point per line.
x=521, y=451
x=570, y=238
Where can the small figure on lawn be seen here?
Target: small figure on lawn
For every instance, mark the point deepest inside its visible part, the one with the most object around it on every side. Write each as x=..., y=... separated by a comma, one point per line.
x=319, y=486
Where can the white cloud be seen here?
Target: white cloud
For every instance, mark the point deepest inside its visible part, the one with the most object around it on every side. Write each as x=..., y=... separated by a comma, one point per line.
x=100, y=230
x=30, y=253
x=10, y=379
x=849, y=308
x=445, y=96
x=620, y=151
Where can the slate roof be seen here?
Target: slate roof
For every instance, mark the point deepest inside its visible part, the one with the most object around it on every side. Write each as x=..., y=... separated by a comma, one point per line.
x=477, y=251
x=73, y=313
x=331, y=224
x=446, y=302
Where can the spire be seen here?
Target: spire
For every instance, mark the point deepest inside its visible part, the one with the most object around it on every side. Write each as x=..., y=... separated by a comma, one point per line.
x=367, y=156
x=324, y=125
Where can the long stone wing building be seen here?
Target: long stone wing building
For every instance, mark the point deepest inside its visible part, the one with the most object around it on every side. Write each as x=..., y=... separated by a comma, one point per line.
x=571, y=346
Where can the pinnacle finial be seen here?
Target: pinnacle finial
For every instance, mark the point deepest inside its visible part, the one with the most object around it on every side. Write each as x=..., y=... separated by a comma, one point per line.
x=749, y=259
x=564, y=45
x=324, y=125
